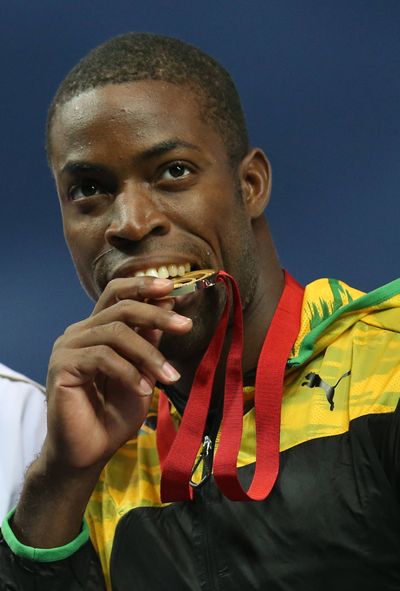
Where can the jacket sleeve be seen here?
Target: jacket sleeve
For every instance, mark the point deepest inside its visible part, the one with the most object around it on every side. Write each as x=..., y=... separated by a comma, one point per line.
x=80, y=571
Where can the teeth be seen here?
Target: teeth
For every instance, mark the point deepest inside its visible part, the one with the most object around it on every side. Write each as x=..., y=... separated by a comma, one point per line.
x=165, y=271
x=172, y=270
x=151, y=272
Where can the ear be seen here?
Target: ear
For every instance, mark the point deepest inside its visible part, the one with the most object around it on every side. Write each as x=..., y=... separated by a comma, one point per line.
x=255, y=180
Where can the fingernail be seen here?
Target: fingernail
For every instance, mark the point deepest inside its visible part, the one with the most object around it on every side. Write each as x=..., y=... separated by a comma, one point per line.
x=162, y=282
x=178, y=319
x=170, y=372
x=145, y=387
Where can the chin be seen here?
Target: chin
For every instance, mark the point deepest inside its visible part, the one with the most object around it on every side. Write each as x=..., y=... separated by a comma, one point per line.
x=204, y=309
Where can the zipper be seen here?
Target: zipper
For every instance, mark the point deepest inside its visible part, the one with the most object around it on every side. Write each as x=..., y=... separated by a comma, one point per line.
x=202, y=494
x=206, y=456
x=202, y=498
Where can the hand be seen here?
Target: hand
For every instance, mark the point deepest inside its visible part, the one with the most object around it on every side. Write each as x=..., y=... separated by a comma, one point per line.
x=103, y=369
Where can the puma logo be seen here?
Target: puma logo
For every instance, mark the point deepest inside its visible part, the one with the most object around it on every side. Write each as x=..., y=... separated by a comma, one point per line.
x=313, y=380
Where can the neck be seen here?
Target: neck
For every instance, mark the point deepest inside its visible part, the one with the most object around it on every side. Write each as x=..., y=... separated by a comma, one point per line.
x=257, y=316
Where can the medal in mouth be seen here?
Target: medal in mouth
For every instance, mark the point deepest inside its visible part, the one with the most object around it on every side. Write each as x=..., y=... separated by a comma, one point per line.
x=193, y=281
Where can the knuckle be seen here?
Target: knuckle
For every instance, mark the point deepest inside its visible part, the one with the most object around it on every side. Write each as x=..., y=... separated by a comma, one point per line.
x=59, y=363
x=132, y=373
x=112, y=286
x=98, y=333
x=58, y=343
x=119, y=285
x=100, y=352
x=110, y=293
x=62, y=343
x=117, y=328
x=72, y=328
x=124, y=306
x=138, y=313
x=95, y=332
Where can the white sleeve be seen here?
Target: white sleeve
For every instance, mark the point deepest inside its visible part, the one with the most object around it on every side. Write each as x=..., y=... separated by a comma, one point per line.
x=22, y=431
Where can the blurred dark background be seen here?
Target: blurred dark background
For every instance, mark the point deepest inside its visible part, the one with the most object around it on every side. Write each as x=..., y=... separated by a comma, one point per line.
x=320, y=83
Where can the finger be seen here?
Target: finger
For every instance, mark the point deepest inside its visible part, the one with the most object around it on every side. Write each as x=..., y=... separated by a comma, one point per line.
x=87, y=364
x=130, y=345
x=133, y=288
x=136, y=314
x=153, y=336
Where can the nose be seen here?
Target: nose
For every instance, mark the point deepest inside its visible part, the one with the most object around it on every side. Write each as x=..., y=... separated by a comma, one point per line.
x=134, y=215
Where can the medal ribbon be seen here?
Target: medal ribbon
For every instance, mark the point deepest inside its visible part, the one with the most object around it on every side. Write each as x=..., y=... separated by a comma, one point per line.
x=178, y=450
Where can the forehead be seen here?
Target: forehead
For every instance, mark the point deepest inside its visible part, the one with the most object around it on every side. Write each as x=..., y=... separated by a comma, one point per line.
x=139, y=114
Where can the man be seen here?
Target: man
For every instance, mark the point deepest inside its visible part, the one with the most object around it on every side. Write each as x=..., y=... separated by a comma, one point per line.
x=149, y=149
x=22, y=431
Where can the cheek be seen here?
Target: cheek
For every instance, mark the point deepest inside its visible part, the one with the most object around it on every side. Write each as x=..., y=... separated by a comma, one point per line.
x=84, y=244
x=237, y=246
x=82, y=258
x=213, y=217
x=84, y=236
x=231, y=228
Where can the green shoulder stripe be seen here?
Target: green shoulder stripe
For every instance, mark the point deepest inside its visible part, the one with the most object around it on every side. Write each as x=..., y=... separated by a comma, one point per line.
x=332, y=311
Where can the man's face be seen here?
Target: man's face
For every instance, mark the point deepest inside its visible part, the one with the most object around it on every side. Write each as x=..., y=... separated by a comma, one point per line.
x=145, y=183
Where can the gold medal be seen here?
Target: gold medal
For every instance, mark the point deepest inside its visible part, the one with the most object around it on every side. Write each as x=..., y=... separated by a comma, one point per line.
x=193, y=281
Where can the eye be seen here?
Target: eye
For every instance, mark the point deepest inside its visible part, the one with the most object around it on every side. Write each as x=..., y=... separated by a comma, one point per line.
x=85, y=189
x=175, y=171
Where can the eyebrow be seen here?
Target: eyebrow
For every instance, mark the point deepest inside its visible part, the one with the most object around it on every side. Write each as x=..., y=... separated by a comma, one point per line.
x=77, y=166
x=159, y=149
x=166, y=146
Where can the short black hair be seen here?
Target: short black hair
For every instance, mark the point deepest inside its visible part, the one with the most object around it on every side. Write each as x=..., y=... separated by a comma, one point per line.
x=145, y=56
